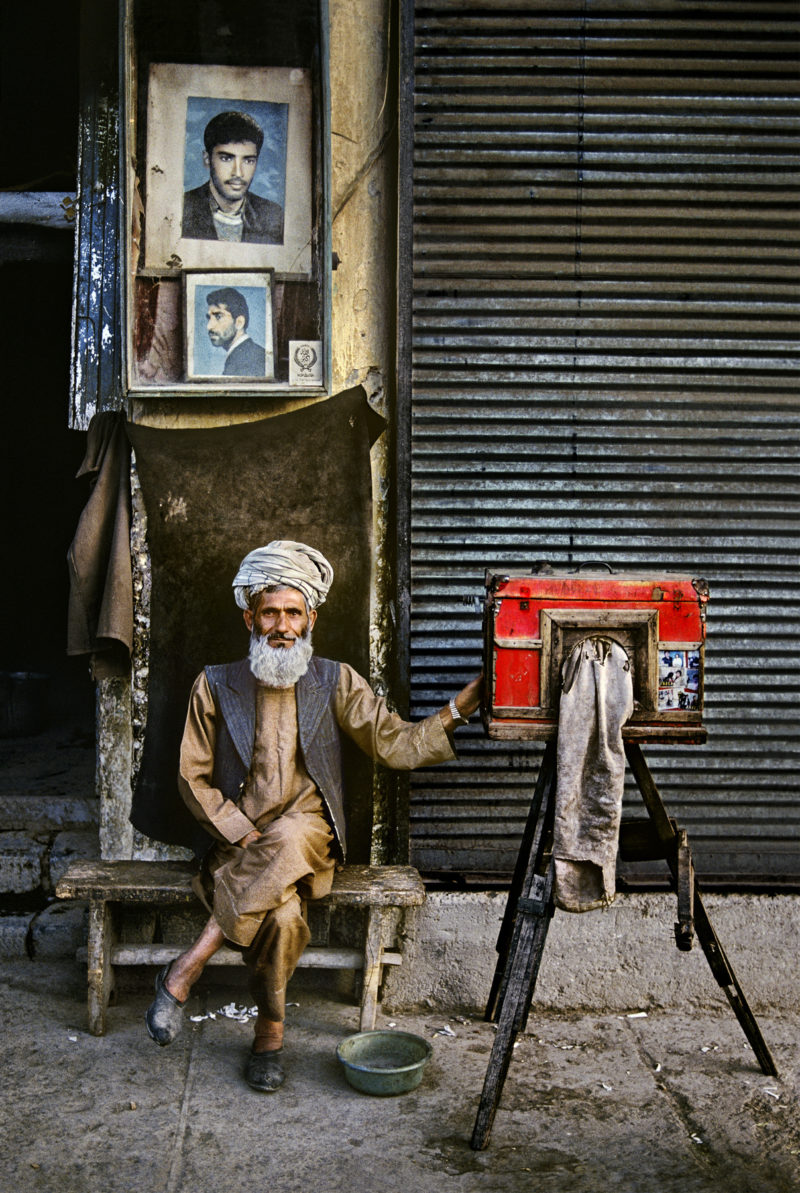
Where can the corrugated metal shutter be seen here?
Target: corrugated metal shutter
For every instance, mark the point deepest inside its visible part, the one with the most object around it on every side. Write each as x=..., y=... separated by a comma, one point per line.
x=604, y=331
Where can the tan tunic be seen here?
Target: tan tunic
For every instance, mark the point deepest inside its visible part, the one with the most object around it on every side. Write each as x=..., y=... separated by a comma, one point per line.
x=281, y=800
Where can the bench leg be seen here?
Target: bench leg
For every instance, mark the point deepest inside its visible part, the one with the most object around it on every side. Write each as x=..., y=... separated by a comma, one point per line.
x=100, y=972
x=373, y=955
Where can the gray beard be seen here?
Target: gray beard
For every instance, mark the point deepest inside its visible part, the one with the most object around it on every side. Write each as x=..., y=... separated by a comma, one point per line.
x=279, y=666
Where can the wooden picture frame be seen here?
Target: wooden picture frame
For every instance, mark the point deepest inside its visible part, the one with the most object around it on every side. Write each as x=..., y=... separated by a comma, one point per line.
x=271, y=196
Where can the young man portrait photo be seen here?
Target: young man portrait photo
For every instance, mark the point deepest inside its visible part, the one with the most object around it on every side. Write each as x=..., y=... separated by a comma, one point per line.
x=225, y=206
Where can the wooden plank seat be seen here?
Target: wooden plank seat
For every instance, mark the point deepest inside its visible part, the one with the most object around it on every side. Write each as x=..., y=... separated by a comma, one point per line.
x=107, y=886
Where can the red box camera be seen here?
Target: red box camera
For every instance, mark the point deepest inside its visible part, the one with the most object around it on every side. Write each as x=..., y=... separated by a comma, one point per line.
x=532, y=621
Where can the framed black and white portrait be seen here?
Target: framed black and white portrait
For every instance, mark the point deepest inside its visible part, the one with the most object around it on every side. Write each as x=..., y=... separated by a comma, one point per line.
x=229, y=329
x=228, y=168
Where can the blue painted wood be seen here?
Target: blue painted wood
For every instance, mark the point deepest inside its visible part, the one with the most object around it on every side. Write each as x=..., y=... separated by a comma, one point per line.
x=95, y=382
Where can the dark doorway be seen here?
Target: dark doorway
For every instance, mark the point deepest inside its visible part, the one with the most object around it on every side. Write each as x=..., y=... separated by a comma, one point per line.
x=46, y=699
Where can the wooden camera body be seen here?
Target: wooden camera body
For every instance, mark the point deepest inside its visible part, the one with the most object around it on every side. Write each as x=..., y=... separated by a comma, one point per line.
x=532, y=621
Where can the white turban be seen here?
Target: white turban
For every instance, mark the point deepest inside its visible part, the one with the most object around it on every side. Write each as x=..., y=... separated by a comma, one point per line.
x=287, y=565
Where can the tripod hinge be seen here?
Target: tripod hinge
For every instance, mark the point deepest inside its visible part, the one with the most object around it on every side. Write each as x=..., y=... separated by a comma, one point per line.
x=532, y=906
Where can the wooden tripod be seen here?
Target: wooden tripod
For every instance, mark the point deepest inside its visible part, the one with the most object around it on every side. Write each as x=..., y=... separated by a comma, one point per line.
x=531, y=906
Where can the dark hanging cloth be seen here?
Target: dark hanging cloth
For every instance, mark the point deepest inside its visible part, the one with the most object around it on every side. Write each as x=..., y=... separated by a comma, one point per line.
x=100, y=614
x=211, y=496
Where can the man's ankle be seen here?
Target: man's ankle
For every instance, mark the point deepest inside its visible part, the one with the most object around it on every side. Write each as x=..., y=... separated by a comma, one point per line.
x=178, y=982
x=268, y=1035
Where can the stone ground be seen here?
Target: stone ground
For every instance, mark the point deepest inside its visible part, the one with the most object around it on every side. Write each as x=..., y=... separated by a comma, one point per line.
x=650, y=1104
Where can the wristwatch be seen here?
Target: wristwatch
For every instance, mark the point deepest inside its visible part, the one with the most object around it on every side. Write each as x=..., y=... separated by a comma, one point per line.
x=456, y=715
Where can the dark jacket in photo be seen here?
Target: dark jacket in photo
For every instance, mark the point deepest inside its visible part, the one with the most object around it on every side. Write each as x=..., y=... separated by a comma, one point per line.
x=247, y=359
x=263, y=219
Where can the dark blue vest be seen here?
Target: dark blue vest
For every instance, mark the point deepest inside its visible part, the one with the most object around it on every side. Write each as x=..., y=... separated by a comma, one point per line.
x=233, y=687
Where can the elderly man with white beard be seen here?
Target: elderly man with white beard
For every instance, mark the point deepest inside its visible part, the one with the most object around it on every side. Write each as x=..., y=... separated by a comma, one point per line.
x=260, y=768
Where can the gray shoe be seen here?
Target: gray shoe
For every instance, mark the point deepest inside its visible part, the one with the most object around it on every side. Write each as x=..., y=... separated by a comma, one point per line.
x=164, y=1016
x=264, y=1071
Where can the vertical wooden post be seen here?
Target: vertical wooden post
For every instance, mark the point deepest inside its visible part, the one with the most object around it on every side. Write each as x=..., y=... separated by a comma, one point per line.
x=373, y=953
x=100, y=972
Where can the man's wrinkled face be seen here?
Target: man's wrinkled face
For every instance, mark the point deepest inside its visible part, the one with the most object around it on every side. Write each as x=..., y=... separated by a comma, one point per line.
x=231, y=168
x=281, y=617
x=221, y=325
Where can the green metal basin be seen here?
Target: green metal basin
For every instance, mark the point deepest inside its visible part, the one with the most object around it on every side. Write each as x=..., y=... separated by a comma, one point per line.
x=384, y=1062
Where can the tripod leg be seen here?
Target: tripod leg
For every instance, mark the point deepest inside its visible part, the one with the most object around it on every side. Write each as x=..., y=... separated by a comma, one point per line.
x=527, y=858
x=684, y=929
x=525, y=956
x=534, y=899
x=715, y=954
x=722, y=971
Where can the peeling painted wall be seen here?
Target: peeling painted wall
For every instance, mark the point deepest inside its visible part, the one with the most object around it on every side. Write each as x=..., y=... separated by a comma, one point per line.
x=363, y=199
x=363, y=214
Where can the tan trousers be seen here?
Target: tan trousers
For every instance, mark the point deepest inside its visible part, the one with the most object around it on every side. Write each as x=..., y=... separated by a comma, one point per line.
x=273, y=955
x=255, y=895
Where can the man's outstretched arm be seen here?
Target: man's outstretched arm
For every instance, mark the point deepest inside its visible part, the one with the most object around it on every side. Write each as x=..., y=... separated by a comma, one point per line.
x=386, y=737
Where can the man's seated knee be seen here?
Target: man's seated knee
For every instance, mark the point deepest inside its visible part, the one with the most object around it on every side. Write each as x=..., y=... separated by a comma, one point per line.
x=282, y=923
x=289, y=913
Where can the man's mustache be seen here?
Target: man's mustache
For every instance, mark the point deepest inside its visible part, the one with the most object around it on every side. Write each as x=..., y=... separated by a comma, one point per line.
x=279, y=635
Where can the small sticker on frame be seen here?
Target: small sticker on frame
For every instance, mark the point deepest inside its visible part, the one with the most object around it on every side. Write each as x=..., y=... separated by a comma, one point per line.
x=679, y=680
x=305, y=362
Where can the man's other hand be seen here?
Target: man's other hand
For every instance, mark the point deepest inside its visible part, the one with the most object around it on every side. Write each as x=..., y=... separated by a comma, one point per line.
x=244, y=841
x=466, y=702
x=469, y=697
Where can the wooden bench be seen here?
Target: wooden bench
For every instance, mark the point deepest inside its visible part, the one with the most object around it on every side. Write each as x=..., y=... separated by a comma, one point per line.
x=110, y=885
